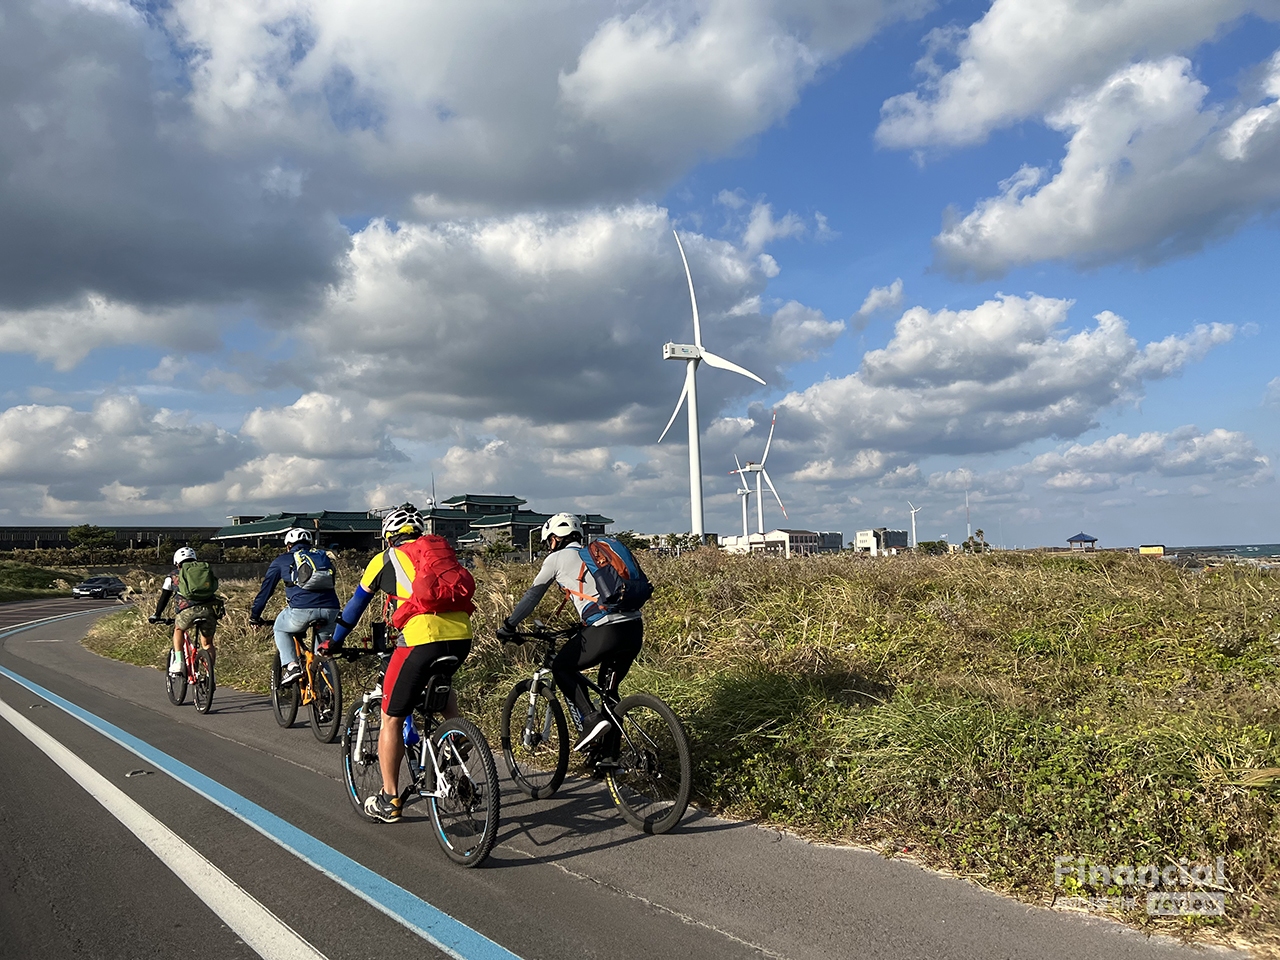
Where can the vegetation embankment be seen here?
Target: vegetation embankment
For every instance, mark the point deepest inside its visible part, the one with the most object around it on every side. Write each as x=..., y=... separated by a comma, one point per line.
x=22, y=581
x=988, y=713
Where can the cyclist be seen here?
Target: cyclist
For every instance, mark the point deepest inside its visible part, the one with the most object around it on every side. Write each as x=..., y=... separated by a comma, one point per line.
x=612, y=641
x=187, y=610
x=308, y=577
x=421, y=641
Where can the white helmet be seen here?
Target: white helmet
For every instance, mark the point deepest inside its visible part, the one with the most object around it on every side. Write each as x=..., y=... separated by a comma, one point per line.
x=297, y=535
x=404, y=519
x=562, y=525
x=183, y=555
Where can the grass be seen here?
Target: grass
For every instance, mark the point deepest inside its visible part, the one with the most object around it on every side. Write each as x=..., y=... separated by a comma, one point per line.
x=988, y=713
x=22, y=581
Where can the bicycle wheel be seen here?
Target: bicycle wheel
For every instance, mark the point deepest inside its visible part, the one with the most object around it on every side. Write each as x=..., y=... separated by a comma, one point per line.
x=203, y=694
x=360, y=770
x=654, y=776
x=326, y=703
x=175, y=683
x=535, y=739
x=466, y=819
x=284, y=700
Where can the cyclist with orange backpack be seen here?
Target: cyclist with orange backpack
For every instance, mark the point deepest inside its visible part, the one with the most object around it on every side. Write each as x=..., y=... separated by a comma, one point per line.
x=428, y=598
x=612, y=632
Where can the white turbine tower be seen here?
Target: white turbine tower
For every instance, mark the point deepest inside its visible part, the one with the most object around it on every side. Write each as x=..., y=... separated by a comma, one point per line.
x=693, y=354
x=759, y=470
x=914, y=511
x=744, y=492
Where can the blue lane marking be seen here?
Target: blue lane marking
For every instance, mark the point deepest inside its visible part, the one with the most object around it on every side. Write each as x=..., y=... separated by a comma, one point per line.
x=432, y=924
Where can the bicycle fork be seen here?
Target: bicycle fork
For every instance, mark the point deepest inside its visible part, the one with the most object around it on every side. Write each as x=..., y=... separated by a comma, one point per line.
x=528, y=741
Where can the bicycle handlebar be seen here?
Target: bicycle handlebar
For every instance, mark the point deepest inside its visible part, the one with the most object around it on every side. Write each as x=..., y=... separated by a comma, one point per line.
x=548, y=636
x=168, y=621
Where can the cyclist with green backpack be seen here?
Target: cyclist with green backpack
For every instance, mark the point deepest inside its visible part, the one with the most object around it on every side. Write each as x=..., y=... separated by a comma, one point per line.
x=309, y=580
x=196, y=587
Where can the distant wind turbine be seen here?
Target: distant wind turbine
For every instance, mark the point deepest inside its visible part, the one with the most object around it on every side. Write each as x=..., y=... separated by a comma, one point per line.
x=693, y=354
x=759, y=470
x=914, y=511
x=744, y=492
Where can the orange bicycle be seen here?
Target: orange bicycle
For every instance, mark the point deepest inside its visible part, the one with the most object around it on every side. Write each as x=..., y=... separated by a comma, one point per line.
x=319, y=686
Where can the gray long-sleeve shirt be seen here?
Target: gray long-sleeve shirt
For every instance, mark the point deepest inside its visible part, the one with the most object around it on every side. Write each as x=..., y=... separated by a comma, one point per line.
x=565, y=567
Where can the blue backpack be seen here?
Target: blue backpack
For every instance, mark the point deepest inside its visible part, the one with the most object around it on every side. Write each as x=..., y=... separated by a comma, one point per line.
x=621, y=585
x=312, y=570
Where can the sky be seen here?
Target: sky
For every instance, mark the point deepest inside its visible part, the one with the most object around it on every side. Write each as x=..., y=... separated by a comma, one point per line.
x=270, y=255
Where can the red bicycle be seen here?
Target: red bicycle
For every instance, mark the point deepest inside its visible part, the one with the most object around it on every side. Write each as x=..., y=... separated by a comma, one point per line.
x=197, y=672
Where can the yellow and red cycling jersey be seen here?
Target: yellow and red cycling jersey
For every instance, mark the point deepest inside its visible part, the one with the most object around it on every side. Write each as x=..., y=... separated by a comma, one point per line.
x=394, y=577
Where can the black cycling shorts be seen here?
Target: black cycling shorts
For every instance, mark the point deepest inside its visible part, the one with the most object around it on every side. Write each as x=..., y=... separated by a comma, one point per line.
x=410, y=669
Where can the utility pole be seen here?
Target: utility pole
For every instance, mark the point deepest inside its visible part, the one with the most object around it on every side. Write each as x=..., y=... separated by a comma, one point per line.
x=968, y=527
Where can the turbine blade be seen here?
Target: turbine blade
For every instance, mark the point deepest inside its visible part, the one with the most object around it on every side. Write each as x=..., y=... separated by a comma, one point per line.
x=769, y=442
x=684, y=392
x=693, y=299
x=765, y=474
x=723, y=364
x=911, y=505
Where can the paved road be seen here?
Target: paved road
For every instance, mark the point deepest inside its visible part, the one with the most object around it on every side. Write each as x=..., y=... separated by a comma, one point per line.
x=567, y=879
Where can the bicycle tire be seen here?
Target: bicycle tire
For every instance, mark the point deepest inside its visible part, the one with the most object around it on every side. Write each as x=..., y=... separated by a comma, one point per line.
x=536, y=752
x=284, y=700
x=654, y=752
x=205, y=682
x=467, y=822
x=175, y=684
x=360, y=770
x=326, y=701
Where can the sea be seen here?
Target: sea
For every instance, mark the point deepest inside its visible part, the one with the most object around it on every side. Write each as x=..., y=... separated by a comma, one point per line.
x=1257, y=551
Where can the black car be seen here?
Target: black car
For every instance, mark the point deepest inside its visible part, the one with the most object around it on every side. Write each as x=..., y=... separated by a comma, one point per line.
x=100, y=588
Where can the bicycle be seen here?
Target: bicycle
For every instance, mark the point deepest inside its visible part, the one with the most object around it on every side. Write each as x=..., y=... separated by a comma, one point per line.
x=197, y=670
x=450, y=765
x=320, y=686
x=645, y=760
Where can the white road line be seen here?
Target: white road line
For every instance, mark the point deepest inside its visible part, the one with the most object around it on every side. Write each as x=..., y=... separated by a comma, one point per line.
x=268, y=935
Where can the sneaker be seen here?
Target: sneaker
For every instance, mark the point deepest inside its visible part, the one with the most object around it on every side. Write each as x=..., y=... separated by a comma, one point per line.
x=593, y=726
x=176, y=666
x=384, y=808
x=290, y=674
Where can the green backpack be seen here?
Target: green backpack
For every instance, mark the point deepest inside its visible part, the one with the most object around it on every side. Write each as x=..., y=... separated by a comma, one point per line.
x=196, y=582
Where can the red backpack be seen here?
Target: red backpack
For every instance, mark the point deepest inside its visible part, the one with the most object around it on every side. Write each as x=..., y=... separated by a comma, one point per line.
x=440, y=583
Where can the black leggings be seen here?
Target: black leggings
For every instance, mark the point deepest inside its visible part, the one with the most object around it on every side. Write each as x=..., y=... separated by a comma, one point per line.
x=612, y=645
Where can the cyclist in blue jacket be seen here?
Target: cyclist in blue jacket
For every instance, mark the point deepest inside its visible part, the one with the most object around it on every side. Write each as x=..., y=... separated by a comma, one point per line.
x=308, y=577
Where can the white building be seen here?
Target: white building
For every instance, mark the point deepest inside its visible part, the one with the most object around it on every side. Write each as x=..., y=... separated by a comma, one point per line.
x=880, y=540
x=784, y=543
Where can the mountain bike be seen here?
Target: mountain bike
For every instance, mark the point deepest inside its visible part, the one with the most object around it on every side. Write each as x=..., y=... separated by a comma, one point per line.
x=320, y=686
x=450, y=765
x=644, y=759
x=197, y=670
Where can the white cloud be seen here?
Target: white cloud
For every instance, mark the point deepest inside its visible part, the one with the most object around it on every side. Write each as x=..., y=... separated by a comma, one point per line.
x=881, y=299
x=1227, y=455
x=987, y=379
x=1024, y=58
x=1150, y=172
x=1271, y=397
x=318, y=425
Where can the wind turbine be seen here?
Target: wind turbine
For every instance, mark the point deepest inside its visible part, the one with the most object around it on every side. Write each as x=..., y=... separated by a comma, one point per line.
x=914, y=511
x=744, y=492
x=692, y=354
x=759, y=470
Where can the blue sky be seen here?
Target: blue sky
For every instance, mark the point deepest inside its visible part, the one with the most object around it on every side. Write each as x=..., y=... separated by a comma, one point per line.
x=302, y=255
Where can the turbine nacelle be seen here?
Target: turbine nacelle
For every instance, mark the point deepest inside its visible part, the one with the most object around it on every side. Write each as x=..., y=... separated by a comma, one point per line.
x=681, y=351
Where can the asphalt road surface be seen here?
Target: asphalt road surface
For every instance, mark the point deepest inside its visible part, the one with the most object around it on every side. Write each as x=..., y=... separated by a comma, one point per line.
x=93, y=841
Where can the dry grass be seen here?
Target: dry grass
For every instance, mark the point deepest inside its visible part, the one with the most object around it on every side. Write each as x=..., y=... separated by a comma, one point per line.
x=989, y=712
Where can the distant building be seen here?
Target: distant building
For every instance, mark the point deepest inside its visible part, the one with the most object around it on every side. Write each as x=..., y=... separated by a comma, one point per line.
x=830, y=541
x=880, y=540
x=1082, y=541
x=1151, y=550
x=127, y=536
x=348, y=529
x=783, y=543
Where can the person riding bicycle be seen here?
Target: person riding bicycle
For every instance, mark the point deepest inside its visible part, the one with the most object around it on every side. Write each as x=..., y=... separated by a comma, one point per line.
x=612, y=641
x=422, y=640
x=308, y=577
x=196, y=600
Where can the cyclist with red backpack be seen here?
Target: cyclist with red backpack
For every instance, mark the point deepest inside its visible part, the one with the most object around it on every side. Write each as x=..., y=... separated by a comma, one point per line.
x=194, y=582
x=309, y=580
x=428, y=597
x=607, y=588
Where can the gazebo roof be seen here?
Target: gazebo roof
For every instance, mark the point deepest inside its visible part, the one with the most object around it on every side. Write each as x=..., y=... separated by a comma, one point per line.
x=1082, y=538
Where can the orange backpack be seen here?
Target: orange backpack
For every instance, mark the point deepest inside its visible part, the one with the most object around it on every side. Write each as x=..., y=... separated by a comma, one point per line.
x=440, y=583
